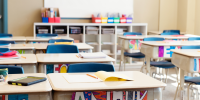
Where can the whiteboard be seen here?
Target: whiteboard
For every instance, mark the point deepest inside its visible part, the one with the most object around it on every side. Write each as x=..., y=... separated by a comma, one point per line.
x=85, y=8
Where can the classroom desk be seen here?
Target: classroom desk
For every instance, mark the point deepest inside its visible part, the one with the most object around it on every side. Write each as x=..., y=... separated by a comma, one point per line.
x=83, y=47
x=28, y=63
x=59, y=61
x=151, y=49
x=23, y=48
x=184, y=59
x=39, y=91
x=17, y=39
x=62, y=89
x=32, y=40
x=159, y=32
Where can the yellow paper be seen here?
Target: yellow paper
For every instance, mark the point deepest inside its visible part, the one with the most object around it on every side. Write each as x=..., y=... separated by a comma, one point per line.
x=68, y=43
x=106, y=76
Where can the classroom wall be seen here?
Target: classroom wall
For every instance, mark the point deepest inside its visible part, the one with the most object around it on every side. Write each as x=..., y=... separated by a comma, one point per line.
x=182, y=15
x=168, y=14
x=197, y=18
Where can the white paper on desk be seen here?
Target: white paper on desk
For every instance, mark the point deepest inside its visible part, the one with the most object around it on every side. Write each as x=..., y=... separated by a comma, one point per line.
x=81, y=79
x=92, y=55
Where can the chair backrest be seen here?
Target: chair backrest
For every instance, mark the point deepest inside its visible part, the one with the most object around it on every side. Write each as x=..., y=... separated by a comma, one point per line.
x=62, y=49
x=132, y=33
x=173, y=31
x=169, y=33
x=4, y=49
x=90, y=67
x=153, y=39
x=13, y=69
x=47, y=35
x=6, y=42
x=59, y=40
x=5, y=35
x=190, y=47
x=193, y=38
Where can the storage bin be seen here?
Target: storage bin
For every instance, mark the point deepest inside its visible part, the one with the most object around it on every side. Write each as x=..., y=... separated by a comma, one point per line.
x=59, y=31
x=45, y=19
x=104, y=19
x=123, y=20
x=129, y=20
x=57, y=19
x=116, y=19
x=92, y=30
x=40, y=31
x=110, y=20
x=51, y=20
x=108, y=31
x=96, y=20
x=75, y=30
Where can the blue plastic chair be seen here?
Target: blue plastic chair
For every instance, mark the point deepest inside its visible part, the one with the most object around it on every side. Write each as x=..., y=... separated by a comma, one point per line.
x=173, y=31
x=3, y=35
x=59, y=40
x=191, y=47
x=90, y=67
x=4, y=49
x=193, y=38
x=170, y=33
x=13, y=69
x=132, y=33
x=7, y=42
x=46, y=35
x=62, y=49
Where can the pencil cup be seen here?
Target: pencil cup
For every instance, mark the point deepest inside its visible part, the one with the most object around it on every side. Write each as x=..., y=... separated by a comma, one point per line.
x=51, y=20
x=104, y=19
x=57, y=19
x=45, y=19
x=110, y=20
x=116, y=19
x=123, y=20
x=129, y=20
x=96, y=20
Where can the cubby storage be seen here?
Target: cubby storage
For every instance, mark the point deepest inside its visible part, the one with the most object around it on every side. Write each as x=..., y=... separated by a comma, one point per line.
x=42, y=29
x=95, y=35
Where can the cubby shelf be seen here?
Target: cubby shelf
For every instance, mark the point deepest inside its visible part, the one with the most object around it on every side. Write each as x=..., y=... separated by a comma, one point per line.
x=98, y=38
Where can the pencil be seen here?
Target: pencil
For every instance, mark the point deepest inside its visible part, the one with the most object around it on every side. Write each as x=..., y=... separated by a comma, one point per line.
x=77, y=56
x=92, y=76
x=24, y=45
x=23, y=57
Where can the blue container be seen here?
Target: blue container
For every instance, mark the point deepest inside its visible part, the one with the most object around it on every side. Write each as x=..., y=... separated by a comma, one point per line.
x=45, y=19
x=110, y=20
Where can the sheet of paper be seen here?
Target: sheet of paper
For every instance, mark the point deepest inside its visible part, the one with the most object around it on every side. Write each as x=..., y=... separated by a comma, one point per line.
x=81, y=79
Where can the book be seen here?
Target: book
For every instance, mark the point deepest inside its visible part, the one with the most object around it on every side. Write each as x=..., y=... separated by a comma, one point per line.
x=92, y=55
x=10, y=57
x=99, y=76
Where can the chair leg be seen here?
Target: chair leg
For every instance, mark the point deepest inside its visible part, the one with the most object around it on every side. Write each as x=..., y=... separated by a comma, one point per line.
x=177, y=73
x=177, y=89
x=124, y=62
x=142, y=68
x=188, y=91
x=166, y=76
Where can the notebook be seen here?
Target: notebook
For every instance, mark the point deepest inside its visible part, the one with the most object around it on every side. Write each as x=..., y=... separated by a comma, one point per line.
x=92, y=55
x=68, y=43
x=10, y=57
x=99, y=76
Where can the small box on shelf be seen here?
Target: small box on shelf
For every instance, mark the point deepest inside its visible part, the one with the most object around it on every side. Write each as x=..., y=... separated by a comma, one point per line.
x=129, y=20
x=123, y=20
x=104, y=19
x=116, y=20
x=51, y=15
x=110, y=20
x=45, y=19
x=51, y=20
x=96, y=19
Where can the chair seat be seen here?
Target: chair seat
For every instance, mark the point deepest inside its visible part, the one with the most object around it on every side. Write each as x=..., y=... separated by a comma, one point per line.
x=195, y=80
x=162, y=64
x=134, y=55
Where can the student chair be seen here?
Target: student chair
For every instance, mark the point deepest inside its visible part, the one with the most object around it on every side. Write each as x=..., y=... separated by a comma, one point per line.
x=132, y=33
x=188, y=79
x=90, y=67
x=62, y=49
x=193, y=38
x=3, y=35
x=4, y=49
x=13, y=69
x=47, y=35
x=59, y=40
x=7, y=42
x=173, y=31
x=170, y=33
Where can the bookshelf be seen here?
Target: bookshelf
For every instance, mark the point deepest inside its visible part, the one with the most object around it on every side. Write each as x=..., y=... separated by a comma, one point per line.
x=98, y=41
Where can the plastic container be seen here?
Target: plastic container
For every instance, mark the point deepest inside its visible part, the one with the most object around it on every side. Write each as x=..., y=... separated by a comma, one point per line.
x=96, y=19
x=104, y=19
x=57, y=19
x=51, y=20
x=92, y=30
x=123, y=20
x=75, y=30
x=45, y=19
x=108, y=31
x=129, y=20
x=110, y=20
x=116, y=19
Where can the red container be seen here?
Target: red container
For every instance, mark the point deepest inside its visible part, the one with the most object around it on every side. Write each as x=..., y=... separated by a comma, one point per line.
x=123, y=20
x=96, y=19
x=57, y=19
x=51, y=20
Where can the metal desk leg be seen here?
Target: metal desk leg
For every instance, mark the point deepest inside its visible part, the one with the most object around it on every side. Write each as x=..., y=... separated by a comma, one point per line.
x=148, y=68
x=122, y=54
x=182, y=84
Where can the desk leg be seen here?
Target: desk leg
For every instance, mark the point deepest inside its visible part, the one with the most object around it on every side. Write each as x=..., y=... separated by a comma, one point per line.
x=40, y=96
x=31, y=68
x=148, y=68
x=122, y=54
x=182, y=84
x=90, y=50
x=41, y=68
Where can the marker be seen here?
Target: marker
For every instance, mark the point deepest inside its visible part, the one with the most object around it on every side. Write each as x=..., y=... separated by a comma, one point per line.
x=92, y=76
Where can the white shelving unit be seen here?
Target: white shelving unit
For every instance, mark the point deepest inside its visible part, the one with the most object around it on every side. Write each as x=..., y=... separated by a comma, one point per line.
x=98, y=38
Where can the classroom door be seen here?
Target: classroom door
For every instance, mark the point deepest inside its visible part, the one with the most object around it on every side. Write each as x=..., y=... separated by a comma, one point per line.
x=3, y=16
